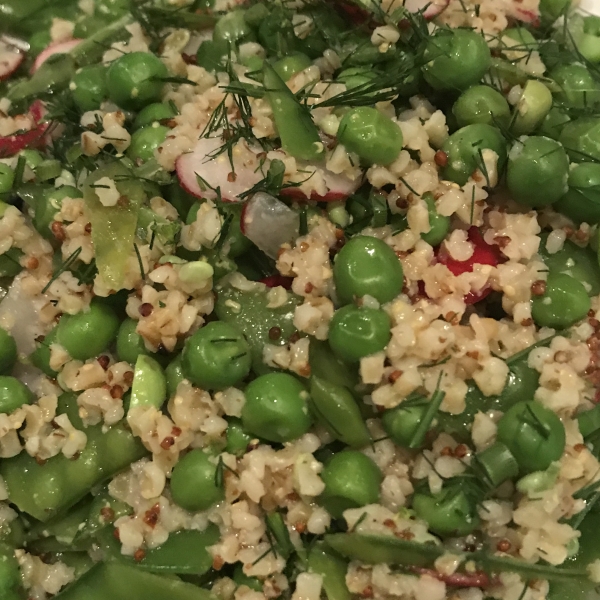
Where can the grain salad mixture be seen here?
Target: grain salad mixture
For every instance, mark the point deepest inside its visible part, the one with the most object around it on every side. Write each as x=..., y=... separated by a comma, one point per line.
x=301, y=300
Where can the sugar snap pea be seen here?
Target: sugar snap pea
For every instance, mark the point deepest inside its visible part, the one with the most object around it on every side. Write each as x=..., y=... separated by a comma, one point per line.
x=149, y=386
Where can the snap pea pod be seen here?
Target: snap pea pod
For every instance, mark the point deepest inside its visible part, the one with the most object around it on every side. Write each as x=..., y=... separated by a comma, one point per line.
x=149, y=386
x=45, y=490
x=521, y=384
x=247, y=310
x=373, y=549
x=299, y=135
x=97, y=519
x=337, y=410
x=10, y=577
x=332, y=568
x=326, y=365
x=28, y=17
x=56, y=73
x=123, y=582
x=113, y=227
x=184, y=553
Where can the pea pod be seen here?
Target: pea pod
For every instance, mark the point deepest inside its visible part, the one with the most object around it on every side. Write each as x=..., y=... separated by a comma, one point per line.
x=373, y=549
x=299, y=135
x=113, y=227
x=337, y=410
x=184, y=553
x=247, y=310
x=123, y=582
x=149, y=386
x=332, y=568
x=44, y=490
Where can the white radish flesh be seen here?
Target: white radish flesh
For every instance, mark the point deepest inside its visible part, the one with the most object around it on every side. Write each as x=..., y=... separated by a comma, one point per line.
x=10, y=60
x=217, y=171
x=269, y=223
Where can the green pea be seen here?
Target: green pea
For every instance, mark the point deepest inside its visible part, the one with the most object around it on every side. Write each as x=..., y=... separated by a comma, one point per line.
x=239, y=577
x=401, y=423
x=276, y=408
x=7, y=178
x=8, y=352
x=534, y=435
x=538, y=171
x=581, y=139
x=87, y=334
x=49, y=205
x=232, y=28
x=370, y=134
x=254, y=64
x=174, y=375
x=39, y=41
x=32, y=158
x=356, y=77
x=135, y=80
x=130, y=344
x=481, y=104
x=367, y=265
x=145, y=141
x=581, y=203
x=533, y=106
x=237, y=438
x=439, y=225
x=351, y=480
x=356, y=332
x=291, y=64
x=578, y=88
x=40, y=357
x=149, y=386
x=564, y=302
x=450, y=512
x=212, y=55
x=216, y=356
x=455, y=59
x=89, y=88
x=13, y=394
x=194, y=482
x=465, y=147
x=553, y=123
x=152, y=113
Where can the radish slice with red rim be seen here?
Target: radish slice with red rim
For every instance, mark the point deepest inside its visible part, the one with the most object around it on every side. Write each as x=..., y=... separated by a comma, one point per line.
x=203, y=163
x=269, y=223
x=11, y=59
x=34, y=138
x=51, y=50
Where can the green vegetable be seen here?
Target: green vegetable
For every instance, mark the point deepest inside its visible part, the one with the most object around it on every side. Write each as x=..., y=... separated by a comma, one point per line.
x=323, y=561
x=237, y=438
x=370, y=134
x=136, y=79
x=564, y=302
x=439, y=225
x=581, y=139
x=538, y=170
x=367, y=265
x=145, y=141
x=276, y=408
x=578, y=88
x=533, y=106
x=351, y=480
x=153, y=113
x=581, y=203
x=289, y=65
x=357, y=332
x=232, y=28
x=337, y=410
x=8, y=352
x=149, y=386
x=194, y=484
x=13, y=394
x=87, y=334
x=89, y=87
x=130, y=344
x=481, y=104
x=299, y=135
x=216, y=356
x=465, y=148
x=533, y=434
x=455, y=59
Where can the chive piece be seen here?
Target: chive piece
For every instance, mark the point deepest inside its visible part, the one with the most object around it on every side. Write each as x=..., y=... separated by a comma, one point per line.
x=497, y=464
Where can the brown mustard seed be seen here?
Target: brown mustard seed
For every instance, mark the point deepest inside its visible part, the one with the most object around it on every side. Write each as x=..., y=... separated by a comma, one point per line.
x=394, y=376
x=538, y=288
x=274, y=333
x=88, y=228
x=145, y=309
x=128, y=378
x=503, y=546
x=440, y=158
x=58, y=231
x=116, y=392
x=139, y=555
x=104, y=361
x=107, y=514
x=167, y=443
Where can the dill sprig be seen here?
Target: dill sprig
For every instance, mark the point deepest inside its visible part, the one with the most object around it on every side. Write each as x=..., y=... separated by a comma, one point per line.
x=63, y=267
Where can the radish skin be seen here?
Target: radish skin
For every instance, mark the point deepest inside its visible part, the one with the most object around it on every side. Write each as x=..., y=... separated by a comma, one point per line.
x=51, y=50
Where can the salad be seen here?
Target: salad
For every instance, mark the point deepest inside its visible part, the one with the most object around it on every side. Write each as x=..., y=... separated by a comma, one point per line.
x=301, y=299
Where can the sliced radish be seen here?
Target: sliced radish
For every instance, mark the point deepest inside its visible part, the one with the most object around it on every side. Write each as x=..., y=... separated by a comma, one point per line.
x=527, y=16
x=339, y=188
x=361, y=11
x=10, y=60
x=430, y=8
x=483, y=254
x=51, y=50
x=34, y=138
x=269, y=223
x=198, y=165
